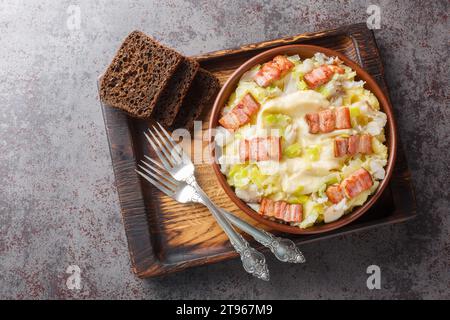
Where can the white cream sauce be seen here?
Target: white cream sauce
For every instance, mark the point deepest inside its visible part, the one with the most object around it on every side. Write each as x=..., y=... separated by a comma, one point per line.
x=301, y=171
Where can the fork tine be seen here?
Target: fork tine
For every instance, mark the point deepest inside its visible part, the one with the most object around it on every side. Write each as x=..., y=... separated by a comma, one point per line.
x=155, y=162
x=165, y=163
x=175, y=146
x=172, y=142
x=170, y=147
x=163, y=175
x=156, y=184
x=163, y=147
x=161, y=180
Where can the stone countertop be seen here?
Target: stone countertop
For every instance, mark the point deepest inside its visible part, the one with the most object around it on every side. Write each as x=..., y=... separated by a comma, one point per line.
x=58, y=202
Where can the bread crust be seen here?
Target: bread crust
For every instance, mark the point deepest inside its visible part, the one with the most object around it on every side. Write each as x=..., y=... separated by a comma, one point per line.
x=138, y=74
x=170, y=101
x=200, y=95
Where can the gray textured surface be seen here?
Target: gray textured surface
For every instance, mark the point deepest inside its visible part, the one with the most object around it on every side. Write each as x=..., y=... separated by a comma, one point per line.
x=58, y=203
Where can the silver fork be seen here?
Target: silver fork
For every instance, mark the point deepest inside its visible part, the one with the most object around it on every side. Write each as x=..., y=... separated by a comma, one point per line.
x=253, y=261
x=180, y=166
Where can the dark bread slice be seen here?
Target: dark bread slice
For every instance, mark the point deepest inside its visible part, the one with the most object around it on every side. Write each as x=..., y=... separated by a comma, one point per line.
x=138, y=74
x=169, y=102
x=200, y=96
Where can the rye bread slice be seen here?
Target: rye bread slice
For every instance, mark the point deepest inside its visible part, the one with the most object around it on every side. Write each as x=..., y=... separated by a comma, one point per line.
x=138, y=74
x=169, y=102
x=198, y=100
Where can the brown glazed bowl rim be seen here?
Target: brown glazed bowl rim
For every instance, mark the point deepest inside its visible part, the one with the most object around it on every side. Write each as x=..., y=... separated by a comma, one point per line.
x=304, y=51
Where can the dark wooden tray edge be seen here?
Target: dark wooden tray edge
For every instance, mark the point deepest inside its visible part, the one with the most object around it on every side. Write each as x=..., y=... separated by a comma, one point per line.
x=142, y=255
x=267, y=44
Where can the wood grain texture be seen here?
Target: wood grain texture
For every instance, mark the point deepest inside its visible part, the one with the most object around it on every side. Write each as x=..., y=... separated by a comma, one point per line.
x=165, y=236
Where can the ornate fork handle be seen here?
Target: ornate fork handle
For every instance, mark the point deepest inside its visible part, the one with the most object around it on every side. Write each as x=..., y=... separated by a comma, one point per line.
x=253, y=261
x=284, y=249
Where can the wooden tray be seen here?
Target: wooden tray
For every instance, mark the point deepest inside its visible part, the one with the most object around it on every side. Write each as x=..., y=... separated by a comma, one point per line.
x=164, y=236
